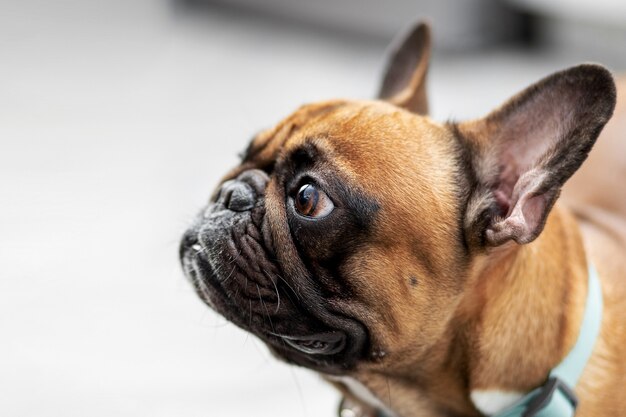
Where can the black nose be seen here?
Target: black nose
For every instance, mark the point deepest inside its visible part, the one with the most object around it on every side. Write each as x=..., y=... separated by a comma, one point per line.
x=242, y=193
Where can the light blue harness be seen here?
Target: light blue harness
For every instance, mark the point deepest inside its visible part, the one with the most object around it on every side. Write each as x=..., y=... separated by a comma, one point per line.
x=556, y=397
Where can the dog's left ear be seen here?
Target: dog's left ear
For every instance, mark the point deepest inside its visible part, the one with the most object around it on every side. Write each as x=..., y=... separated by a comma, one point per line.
x=520, y=155
x=404, y=83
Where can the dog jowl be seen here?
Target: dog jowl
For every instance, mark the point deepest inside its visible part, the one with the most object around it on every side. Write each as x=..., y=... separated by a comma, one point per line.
x=370, y=243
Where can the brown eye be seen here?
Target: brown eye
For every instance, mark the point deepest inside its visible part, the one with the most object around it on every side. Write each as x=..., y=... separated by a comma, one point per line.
x=311, y=202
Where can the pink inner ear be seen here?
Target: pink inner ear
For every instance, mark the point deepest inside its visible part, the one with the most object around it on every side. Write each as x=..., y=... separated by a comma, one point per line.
x=503, y=200
x=523, y=223
x=528, y=135
x=533, y=209
x=525, y=206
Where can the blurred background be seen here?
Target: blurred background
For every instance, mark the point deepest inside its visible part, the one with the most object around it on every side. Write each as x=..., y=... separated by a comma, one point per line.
x=118, y=117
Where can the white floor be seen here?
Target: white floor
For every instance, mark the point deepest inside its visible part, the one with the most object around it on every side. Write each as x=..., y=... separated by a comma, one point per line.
x=116, y=120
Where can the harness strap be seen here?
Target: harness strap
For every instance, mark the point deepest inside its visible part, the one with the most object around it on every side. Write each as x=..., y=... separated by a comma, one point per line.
x=556, y=398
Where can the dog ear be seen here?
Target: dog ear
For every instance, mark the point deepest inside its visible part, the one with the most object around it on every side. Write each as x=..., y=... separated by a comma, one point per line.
x=521, y=154
x=404, y=83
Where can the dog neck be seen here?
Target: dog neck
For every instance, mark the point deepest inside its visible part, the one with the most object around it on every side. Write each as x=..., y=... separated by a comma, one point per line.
x=519, y=317
x=532, y=301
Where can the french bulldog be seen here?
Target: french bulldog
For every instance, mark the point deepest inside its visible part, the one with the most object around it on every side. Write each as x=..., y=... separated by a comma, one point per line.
x=427, y=269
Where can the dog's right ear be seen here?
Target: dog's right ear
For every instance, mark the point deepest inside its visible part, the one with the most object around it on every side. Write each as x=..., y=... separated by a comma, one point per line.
x=404, y=83
x=522, y=153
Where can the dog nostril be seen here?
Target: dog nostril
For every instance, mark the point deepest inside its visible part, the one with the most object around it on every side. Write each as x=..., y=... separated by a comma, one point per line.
x=237, y=196
x=242, y=193
x=225, y=194
x=241, y=198
x=256, y=179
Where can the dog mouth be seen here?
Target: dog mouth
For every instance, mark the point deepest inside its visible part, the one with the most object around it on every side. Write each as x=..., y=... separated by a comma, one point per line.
x=229, y=258
x=290, y=332
x=320, y=344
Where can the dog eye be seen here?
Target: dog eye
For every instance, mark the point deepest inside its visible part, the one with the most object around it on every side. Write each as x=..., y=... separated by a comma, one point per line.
x=311, y=202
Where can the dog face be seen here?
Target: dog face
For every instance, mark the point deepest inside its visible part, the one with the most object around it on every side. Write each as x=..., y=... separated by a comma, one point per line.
x=333, y=246
x=350, y=229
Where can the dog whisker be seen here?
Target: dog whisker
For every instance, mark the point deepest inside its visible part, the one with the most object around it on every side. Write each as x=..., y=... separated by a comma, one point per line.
x=290, y=287
x=250, y=303
x=267, y=312
x=277, y=293
x=229, y=275
x=235, y=257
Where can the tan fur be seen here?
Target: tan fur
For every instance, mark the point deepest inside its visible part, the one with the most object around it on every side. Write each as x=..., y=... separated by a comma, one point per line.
x=522, y=307
x=501, y=322
x=441, y=322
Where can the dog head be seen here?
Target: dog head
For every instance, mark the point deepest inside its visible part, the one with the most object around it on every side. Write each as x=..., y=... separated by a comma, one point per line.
x=349, y=230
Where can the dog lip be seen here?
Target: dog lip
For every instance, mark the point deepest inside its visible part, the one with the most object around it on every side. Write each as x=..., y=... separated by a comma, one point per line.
x=328, y=343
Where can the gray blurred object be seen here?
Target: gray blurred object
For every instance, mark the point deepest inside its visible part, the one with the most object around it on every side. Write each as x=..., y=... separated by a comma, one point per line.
x=592, y=30
x=458, y=24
